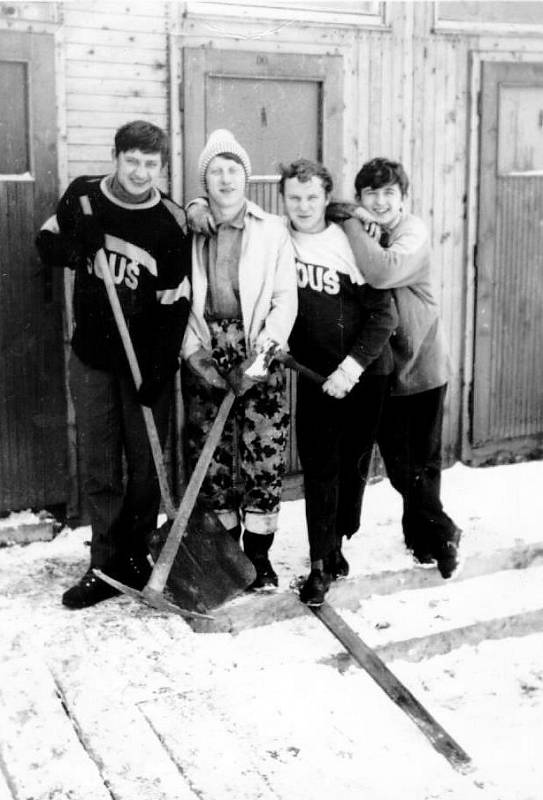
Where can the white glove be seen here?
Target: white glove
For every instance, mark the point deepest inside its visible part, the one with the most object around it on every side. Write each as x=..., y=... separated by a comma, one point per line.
x=340, y=382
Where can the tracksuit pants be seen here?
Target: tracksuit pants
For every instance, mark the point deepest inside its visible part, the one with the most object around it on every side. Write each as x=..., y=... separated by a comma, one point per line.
x=335, y=437
x=109, y=426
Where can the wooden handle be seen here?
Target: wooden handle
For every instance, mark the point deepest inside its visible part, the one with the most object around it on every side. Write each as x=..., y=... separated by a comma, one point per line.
x=124, y=333
x=164, y=562
x=290, y=362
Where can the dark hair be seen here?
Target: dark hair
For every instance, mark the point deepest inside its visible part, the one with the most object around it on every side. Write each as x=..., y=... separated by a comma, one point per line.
x=304, y=170
x=380, y=172
x=144, y=136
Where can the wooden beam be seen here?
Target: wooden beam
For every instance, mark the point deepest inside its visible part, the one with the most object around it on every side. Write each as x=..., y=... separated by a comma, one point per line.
x=393, y=687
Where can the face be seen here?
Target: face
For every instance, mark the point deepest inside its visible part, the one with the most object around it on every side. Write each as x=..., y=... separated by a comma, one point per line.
x=225, y=181
x=137, y=172
x=305, y=204
x=384, y=203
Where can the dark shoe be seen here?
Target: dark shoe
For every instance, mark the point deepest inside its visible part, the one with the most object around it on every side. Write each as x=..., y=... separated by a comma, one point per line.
x=423, y=558
x=336, y=565
x=315, y=587
x=266, y=577
x=89, y=591
x=135, y=572
x=448, y=557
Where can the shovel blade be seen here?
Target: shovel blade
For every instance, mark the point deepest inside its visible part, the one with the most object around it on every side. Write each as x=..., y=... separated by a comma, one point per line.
x=150, y=597
x=209, y=568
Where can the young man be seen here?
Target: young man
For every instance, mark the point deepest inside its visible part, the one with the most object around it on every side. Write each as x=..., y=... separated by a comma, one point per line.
x=409, y=435
x=148, y=252
x=245, y=302
x=341, y=332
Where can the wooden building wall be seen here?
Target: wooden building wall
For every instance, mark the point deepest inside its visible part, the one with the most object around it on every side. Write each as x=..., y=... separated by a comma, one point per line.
x=409, y=93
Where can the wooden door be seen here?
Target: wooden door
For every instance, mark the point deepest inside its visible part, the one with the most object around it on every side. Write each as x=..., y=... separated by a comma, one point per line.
x=280, y=107
x=507, y=402
x=32, y=393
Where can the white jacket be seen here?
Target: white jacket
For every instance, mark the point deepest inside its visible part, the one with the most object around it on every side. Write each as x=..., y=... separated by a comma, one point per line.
x=267, y=284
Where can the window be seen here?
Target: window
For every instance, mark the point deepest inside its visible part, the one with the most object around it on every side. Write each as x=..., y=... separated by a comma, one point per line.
x=14, y=143
x=499, y=16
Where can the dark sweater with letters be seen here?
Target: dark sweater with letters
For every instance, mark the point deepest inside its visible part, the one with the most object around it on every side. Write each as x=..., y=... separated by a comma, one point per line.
x=339, y=314
x=148, y=252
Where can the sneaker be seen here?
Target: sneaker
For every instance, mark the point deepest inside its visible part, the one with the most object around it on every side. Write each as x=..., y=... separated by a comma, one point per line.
x=89, y=591
x=448, y=559
x=315, y=587
x=336, y=565
x=266, y=577
x=135, y=572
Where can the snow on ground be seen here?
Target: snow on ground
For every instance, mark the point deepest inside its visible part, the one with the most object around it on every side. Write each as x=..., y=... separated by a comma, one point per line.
x=278, y=711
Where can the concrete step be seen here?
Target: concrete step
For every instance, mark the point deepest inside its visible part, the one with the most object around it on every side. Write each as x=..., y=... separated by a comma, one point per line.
x=252, y=610
x=419, y=623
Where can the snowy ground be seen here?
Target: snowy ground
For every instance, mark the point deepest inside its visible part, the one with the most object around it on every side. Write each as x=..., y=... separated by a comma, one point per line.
x=154, y=711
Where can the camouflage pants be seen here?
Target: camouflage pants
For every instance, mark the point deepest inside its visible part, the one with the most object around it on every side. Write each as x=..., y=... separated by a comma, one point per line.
x=256, y=432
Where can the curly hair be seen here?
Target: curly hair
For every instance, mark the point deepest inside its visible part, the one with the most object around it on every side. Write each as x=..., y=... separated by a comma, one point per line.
x=304, y=170
x=380, y=172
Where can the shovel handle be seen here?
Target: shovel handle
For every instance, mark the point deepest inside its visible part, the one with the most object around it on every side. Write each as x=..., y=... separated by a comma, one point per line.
x=164, y=562
x=290, y=362
x=122, y=327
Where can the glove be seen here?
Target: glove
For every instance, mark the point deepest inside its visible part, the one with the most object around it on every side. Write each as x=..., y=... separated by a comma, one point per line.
x=254, y=369
x=55, y=250
x=204, y=366
x=200, y=219
x=339, y=212
x=89, y=234
x=238, y=380
x=338, y=384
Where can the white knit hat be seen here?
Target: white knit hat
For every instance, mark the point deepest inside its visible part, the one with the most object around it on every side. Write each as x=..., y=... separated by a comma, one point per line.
x=220, y=142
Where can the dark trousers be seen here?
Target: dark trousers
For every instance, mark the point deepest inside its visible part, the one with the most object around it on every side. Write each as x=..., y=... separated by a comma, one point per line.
x=335, y=437
x=110, y=423
x=409, y=439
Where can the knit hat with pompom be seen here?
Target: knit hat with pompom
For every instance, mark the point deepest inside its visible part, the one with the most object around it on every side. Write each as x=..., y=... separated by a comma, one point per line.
x=222, y=142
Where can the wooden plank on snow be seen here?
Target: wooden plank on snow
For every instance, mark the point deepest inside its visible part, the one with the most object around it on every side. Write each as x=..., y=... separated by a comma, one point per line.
x=133, y=761
x=40, y=750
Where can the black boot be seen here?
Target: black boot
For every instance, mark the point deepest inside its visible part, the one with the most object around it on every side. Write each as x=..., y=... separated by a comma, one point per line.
x=335, y=563
x=315, y=587
x=88, y=591
x=135, y=571
x=256, y=547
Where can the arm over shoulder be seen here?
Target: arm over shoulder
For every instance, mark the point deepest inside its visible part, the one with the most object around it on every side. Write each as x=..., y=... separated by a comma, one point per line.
x=403, y=263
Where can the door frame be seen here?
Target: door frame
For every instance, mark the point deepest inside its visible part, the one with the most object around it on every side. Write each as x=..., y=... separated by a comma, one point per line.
x=198, y=62
x=476, y=456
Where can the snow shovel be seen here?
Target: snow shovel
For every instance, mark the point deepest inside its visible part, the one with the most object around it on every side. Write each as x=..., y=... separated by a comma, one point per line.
x=200, y=564
x=370, y=661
